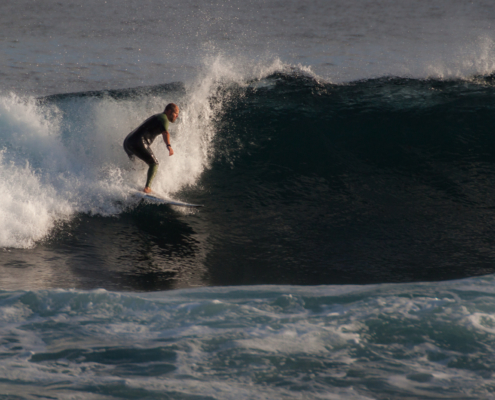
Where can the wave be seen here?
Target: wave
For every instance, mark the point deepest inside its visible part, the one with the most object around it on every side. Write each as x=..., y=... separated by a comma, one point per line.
x=314, y=174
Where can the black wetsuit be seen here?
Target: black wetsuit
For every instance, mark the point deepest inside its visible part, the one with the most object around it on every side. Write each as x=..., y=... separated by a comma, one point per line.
x=137, y=143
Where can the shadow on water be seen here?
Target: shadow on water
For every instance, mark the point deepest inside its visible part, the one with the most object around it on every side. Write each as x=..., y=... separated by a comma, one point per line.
x=147, y=249
x=327, y=238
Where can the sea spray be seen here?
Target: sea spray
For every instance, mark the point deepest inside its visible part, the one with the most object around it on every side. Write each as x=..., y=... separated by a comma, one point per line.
x=30, y=203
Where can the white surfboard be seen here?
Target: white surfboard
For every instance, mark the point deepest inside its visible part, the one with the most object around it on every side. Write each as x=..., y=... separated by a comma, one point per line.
x=158, y=199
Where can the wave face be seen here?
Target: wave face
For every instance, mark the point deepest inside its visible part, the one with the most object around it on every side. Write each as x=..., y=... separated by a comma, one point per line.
x=303, y=181
x=399, y=341
x=388, y=179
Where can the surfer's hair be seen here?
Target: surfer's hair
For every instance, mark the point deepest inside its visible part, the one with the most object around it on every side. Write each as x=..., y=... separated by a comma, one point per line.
x=171, y=106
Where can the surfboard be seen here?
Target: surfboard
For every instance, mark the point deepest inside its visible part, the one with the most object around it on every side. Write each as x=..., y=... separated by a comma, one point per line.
x=158, y=199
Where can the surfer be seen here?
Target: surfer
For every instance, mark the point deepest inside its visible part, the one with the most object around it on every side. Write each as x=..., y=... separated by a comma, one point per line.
x=138, y=142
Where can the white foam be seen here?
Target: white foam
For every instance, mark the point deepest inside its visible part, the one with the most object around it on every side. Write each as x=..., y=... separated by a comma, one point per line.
x=45, y=173
x=29, y=205
x=58, y=161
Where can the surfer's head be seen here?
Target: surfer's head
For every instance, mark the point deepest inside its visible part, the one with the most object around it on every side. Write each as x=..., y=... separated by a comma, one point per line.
x=172, y=112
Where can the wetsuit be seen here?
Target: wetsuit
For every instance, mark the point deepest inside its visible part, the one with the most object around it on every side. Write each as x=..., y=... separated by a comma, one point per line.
x=137, y=143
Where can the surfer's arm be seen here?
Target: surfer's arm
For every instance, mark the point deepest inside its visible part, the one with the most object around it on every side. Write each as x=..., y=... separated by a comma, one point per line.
x=166, y=139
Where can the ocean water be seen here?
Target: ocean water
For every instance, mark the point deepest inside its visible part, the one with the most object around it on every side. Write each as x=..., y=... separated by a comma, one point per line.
x=386, y=341
x=344, y=154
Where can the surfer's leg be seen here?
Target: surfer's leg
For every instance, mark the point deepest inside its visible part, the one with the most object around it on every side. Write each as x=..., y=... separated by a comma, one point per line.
x=149, y=158
x=151, y=174
x=143, y=152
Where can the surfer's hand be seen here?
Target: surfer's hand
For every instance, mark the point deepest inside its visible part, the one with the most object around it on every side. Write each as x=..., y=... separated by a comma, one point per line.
x=170, y=151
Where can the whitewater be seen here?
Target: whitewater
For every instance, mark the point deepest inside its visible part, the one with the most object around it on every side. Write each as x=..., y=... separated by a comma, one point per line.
x=344, y=154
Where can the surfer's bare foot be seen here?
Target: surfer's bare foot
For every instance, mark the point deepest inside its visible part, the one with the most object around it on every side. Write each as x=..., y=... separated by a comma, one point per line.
x=147, y=189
